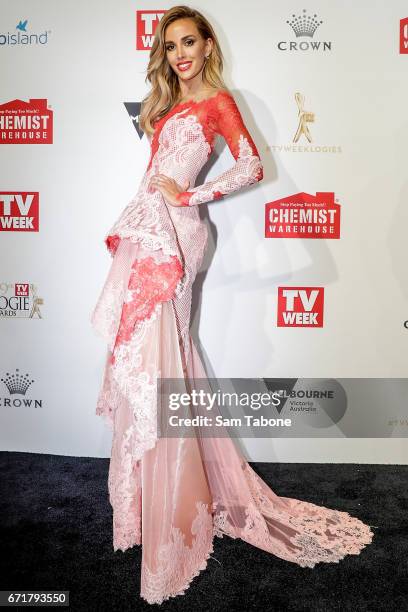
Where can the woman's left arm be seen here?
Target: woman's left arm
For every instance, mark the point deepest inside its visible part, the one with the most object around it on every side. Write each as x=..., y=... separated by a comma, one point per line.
x=248, y=168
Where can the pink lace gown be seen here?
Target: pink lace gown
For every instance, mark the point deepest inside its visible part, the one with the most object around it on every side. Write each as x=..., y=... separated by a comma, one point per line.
x=173, y=495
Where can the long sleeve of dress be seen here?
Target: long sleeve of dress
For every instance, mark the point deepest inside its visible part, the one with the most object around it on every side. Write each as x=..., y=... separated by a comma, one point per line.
x=248, y=167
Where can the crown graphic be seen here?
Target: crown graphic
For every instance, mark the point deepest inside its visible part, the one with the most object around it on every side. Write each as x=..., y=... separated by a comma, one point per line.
x=17, y=383
x=304, y=25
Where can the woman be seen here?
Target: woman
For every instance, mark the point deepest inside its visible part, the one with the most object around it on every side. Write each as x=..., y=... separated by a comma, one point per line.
x=187, y=489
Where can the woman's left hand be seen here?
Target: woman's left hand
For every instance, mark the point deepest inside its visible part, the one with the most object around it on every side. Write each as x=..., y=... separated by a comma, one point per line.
x=168, y=188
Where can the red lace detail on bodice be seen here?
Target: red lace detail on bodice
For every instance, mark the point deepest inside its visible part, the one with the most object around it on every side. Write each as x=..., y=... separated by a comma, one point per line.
x=206, y=111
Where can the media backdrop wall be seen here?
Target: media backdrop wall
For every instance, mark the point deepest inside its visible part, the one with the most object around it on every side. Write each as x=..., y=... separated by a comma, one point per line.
x=323, y=90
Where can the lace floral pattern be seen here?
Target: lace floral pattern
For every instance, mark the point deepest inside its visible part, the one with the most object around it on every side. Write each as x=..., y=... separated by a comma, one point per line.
x=179, y=563
x=107, y=312
x=318, y=534
x=125, y=495
x=185, y=492
x=149, y=284
x=308, y=534
x=145, y=220
x=137, y=382
x=247, y=170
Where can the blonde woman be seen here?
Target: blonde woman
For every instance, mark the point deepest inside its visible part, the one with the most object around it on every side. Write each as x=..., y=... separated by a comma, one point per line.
x=173, y=495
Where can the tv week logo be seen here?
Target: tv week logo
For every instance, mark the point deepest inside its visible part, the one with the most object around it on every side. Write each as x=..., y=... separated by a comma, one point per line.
x=404, y=35
x=146, y=23
x=19, y=211
x=300, y=306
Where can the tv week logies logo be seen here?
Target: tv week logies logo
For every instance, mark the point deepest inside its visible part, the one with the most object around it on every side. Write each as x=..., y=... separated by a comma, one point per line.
x=404, y=35
x=303, y=216
x=20, y=300
x=26, y=122
x=146, y=23
x=302, y=133
x=19, y=211
x=300, y=306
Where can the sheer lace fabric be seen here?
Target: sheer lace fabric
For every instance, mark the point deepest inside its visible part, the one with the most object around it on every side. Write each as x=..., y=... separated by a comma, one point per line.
x=173, y=495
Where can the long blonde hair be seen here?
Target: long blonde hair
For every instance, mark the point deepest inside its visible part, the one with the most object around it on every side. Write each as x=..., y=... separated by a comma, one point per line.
x=165, y=89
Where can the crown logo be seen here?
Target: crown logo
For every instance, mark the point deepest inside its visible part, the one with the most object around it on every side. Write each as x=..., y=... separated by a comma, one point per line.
x=17, y=383
x=304, y=25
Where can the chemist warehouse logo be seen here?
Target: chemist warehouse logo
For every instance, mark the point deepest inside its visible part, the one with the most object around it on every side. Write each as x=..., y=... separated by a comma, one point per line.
x=19, y=211
x=300, y=306
x=146, y=24
x=22, y=35
x=303, y=216
x=26, y=122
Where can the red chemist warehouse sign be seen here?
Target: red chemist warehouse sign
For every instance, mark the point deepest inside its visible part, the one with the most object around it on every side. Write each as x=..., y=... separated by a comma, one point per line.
x=303, y=215
x=26, y=122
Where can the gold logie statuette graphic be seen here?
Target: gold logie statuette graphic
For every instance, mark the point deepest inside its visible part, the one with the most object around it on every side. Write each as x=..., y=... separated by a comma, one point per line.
x=37, y=302
x=305, y=117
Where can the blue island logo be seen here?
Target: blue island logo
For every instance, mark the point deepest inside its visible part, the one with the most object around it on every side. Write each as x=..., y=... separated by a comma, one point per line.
x=24, y=37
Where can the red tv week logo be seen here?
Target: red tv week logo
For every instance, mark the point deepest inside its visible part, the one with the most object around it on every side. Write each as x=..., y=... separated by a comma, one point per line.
x=303, y=216
x=404, y=35
x=26, y=122
x=19, y=211
x=300, y=306
x=146, y=23
x=21, y=289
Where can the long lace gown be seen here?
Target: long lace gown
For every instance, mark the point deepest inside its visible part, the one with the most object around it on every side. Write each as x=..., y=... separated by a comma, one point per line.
x=173, y=495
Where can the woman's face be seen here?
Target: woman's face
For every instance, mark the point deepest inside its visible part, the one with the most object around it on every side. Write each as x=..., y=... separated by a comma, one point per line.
x=185, y=48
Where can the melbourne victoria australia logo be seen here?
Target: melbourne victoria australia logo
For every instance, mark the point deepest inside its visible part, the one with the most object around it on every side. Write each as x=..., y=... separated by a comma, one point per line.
x=23, y=35
x=19, y=211
x=300, y=306
x=302, y=139
x=17, y=385
x=20, y=300
x=26, y=122
x=146, y=23
x=303, y=216
x=133, y=109
x=303, y=28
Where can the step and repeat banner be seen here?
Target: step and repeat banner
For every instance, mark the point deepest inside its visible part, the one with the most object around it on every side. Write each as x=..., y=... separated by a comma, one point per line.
x=305, y=276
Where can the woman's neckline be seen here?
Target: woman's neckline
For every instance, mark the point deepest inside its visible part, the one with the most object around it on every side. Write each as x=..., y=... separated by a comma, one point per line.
x=189, y=103
x=195, y=102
